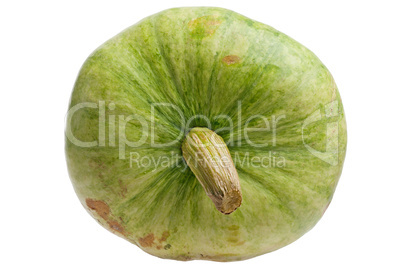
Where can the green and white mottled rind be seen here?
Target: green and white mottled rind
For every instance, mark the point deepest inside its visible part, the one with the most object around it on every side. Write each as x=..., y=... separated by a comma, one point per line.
x=205, y=60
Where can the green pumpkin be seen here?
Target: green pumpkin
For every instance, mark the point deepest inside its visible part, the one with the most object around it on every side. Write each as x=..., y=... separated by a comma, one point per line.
x=271, y=102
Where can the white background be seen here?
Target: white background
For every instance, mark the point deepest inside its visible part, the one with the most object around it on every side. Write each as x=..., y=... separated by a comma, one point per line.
x=42, y=47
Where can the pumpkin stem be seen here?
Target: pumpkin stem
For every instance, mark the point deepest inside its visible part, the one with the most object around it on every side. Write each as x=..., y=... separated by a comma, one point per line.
x=209, y=159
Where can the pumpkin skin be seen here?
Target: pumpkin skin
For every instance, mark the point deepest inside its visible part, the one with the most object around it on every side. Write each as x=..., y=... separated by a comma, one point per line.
x=205, y=61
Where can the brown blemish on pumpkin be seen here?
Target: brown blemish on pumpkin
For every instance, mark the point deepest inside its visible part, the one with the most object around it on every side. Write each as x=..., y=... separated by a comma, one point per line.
x=168, y=246
x=115, y=225
x=100, y=207
x=204, y=26
x=165, y=235
x=147, y=241
x=123, y=188
x=103, y=210
x=231, y=59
